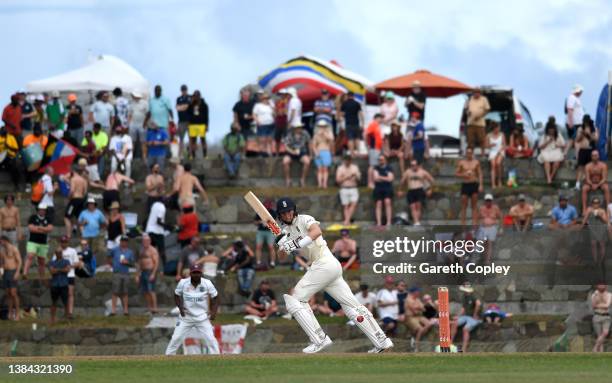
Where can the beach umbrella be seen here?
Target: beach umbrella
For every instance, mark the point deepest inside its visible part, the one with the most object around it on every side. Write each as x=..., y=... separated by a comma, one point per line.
x=433, y=84
x=32, y=156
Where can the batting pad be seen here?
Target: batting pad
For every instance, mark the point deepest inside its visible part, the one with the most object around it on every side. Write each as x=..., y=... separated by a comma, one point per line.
x=362, y=317
x=303, y=314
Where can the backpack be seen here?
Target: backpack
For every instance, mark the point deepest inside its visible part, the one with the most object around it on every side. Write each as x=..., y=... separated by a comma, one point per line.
x=38, y=191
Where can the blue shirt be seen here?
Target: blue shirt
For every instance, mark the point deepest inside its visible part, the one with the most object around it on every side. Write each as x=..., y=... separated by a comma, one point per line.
x=328, y=117
x=564, y=216
x=160, y=109
x=59, y=279
x=119, y=267
x=94, y=220
x=157, y=135
x=418, y=143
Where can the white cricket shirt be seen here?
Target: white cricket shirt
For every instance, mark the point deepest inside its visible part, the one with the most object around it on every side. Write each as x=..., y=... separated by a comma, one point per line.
x=195, y=299
x=299, y=230
x=391, y=311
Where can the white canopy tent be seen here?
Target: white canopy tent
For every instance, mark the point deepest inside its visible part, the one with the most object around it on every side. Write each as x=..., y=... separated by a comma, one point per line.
x=104, y=72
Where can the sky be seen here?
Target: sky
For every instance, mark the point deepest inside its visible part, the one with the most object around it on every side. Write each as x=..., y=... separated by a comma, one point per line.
x=538, y=48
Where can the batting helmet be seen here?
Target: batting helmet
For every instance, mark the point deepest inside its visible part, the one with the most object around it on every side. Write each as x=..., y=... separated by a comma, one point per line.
x=284, y=205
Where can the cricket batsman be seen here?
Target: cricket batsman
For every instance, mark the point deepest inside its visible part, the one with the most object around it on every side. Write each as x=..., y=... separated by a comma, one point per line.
x=325, y=273
x=191, y=297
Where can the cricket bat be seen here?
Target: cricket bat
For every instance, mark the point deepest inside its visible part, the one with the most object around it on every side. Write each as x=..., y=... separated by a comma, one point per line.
x=263, y=213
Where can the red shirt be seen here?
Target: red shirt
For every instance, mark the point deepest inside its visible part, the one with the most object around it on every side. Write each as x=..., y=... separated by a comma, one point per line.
x=12, y=118
x=189, y=226
x=373, y=133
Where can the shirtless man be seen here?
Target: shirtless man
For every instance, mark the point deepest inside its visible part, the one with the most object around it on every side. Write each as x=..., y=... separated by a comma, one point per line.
x=489, y=215
x=76, y=199
x=596, y=179
x=9, y=220
x=469, y=171
x=111, y=188
x=185, y=185
x=147, y=265
x=415, y=177
x=155, y=186
x=522, y=214
x=176, y=174
x=11, y=259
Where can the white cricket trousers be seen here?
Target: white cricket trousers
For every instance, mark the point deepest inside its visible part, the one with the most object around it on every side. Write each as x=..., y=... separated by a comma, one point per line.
x=201, y=330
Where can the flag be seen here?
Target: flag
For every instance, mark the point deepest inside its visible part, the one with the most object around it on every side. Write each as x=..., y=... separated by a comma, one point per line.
x=59, y=155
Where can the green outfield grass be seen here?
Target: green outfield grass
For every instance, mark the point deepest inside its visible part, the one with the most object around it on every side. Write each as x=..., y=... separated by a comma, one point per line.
x=387, y=368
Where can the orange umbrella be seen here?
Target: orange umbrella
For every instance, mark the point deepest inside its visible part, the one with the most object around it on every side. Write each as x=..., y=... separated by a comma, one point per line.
x=433, y=84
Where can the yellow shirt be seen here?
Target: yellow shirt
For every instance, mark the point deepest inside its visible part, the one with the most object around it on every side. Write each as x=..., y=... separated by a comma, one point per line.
x=9, y=144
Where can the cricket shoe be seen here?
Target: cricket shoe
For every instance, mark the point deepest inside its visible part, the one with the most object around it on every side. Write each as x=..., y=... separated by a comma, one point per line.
x=386, y=346
x=314, y=347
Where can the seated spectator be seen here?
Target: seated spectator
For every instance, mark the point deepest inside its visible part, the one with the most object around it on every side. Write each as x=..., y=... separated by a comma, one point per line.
x=496, y=143
x=600, y=303
x=596, y=178
x=596, y=217
x=243, y=265
x=469, y=317
x=233, y=150
x=297, y=144
x=494, y=314
x=552, y=150
x=322, y=143
x=373, y=140
x=387, y=306
x=383, y=191
x=190, y=255
x=189, y=225
x=59, y=268
x=519, y=145
x=347, y=178
x=587, y=137
x=416, y=322
x=393, y=145
x=521, y=214
x=416, y=179
x=345, y=250
x=431, y=309
x=402, y=294
x=366, y=297
x=330, y=306
x=263, y=303
x=563, y=215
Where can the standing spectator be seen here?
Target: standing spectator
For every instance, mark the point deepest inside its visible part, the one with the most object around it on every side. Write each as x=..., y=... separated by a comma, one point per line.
x=156, y=229
x=496, y=142
x=59, y=268
x=322, y=143
x=70, y=254
x=522, y=214
x=184, y=186
x=121, y=258
x=182, y=105
x=243, y=265
x=366, y=297
x=325, y=109
x=347, y=178
x=76, y=199
x=155, y=186
x=111, y=188
x=116, y=226
x=387, y=305
x=297, y=144
x=40, y=116
x=263, y=115
x=373, y=139
x=157, y=143
x=27, y=112
x=393, y=145
x=121, y=150
x=468, y=169
x=160, y=111
x=137, y=113
x=10, y=259
x=188, y=224
x=264, y=237
x=263, y=303
x=598, y=221
x=416, y=139
x=600, y=303
x=87, y=259
x=101, y=140
x=596, y=179
x=39, y=227
x=345, y=250
x=352, y=116
x=564, y=215
x=477, y=107
x=489, y=216
x=552, y=150
x=416, y=178
x=10, y=221
x=233, y=146
x=383, y=191
x=415, y=102
x=56, y=114
x=190, y=255
x=49, y=188
x=197, y=114
x=10, y=146
x=122, y=106
x=294, y=109
x=469, y=317
x=91, y=221
x=586, y=141
x=389, y=111
x=575, y=113
x=146, y=273
x=519, y=145
x=102, y=112
x=243, y=113
x=74, y=118
x=280, y=120
x=11, y=116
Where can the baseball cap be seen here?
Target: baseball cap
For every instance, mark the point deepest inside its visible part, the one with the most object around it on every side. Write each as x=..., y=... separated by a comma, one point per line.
x=196, y=268
x=563, y=197
x=577, y=88
x=124, y=238
x=64, y=238
x=55, y=93
x=82, y=162
x=466, y=288
x=521, y=197
x=488, y=197
x=91, y=200
x=136, y=95
x=344, y=231
x=322, y=122
x=72, y=97
x=389, y=94
x=42, y=206
x=114, y=205
x=414, y=289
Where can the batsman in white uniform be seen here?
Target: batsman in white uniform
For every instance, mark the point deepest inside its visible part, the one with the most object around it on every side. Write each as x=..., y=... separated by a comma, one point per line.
x=191, y=297
x=325, y=273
